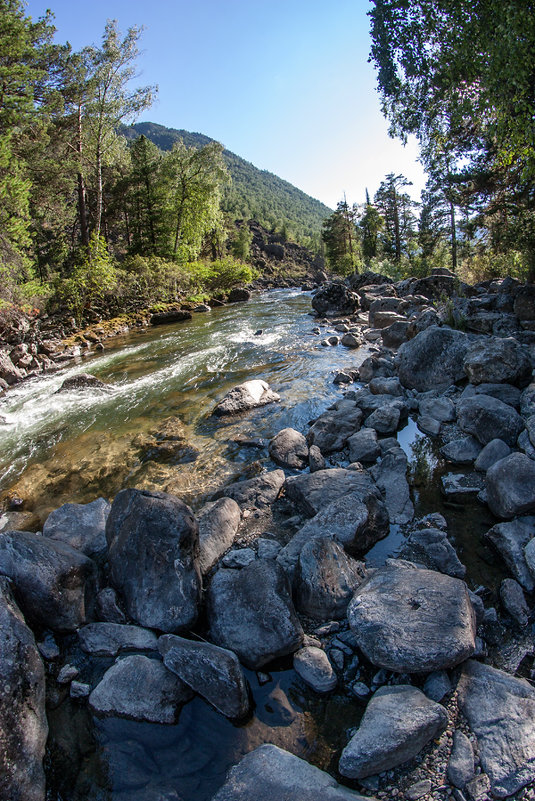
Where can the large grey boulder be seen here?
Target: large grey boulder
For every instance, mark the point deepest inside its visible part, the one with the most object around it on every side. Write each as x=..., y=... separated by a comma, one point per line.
x=412, y=620
x=433, y=359
x=398, y=722
x=385, y=419
x=218, y=523
x=258, y=492
x=80, y=525
x=488, y=418
x=8, y=372
x=110, y=639
x=249, y=395
x=212, y=672
x=140, y=688
x=23, y=723
x=498, y=360
x=313, y=491
x=153, y=549
x=53, y=583
x=390, y=476
x=493, y=451
x=511, y=486
x=333, y=428
x=503, y=392
x=464, y=450
x=250, y=611
x=325, y=579
x=271, y=774
x=510, y=539
x=524, y=304
x=363, y=446
x=500, y=710
x=289, y=449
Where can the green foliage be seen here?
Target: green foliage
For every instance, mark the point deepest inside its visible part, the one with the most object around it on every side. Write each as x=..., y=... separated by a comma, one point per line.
x=342, y=243
x=93, y=277
x=241, y=246
x=252, y=193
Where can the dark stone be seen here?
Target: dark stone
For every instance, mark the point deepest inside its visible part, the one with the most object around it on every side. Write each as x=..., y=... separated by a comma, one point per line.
x=289, y=449
x=218, y=523
x=312, y=491
x=464, y=450
x=83, y=381
x=82, y=526
x=433, y=359
x=173, y=316
x=511, y=486
x=256, y=493
x=332, y=429
x=250, y=611
x=498, y=360
x=153, y=551
x=239, y=295
x=53, y=583
x=212, y=672
x=249, y=395
x=510, y=540
x=461, y=761
x=487, y=418
x=335, y=298
x=23, y=723
x=110, y=639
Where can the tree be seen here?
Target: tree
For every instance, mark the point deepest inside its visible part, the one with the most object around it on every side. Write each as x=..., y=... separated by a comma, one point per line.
x=107, y=98
x=193, y=178
x=340, y=236
x=371, y=224
x=461, y=77
x=396, y=209
x=147, y=197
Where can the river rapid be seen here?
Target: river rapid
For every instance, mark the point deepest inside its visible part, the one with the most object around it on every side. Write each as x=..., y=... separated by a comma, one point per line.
x=75, y=446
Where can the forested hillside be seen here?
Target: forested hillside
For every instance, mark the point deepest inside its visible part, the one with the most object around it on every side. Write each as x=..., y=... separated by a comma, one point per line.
x=252, y=193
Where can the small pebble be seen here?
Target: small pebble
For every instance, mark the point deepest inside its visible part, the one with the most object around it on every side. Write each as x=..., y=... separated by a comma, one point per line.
x=67, y=674
x=79, y=689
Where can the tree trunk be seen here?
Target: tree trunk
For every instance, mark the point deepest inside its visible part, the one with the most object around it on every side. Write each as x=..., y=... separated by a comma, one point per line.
x=453, y=239
x=82, y=208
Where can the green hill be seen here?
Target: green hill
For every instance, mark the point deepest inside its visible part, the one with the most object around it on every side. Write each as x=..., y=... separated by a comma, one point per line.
x=253, y=193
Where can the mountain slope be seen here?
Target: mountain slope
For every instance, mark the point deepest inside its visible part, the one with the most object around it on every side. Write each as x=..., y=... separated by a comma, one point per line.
x=253, y=193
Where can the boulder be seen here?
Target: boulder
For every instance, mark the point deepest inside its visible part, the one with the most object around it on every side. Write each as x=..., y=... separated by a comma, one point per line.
x=381, y=305
x=498, y=360
x=332, y=429
x=460, y=487
x=313, y=491
x=363, y=446
x=487, y=418
x=464, y=450
x=493, y=451
x=250, y=611
x=325, y=579
x=111, y=639
x=153, y=551
x=514, y=602
x=385, y=419
x=385, y=386
x=83, y=381
x=351, y=340
x=441, y=408
x=413, y=620
x=396, y=334
x=432, y=547
x=8, y=372
x=82, y=526
x=502, y=392
x=511, y=486
x=53, y=583
x=385, y=319
x=529, y=555
x=500, y=710
x=510, y=540
x=316, y=460
x=390, y=476
x=23, y=723
x=249, y=395
x=433, y=359
x=239, y=295
x=524, y=303
x=172, y=316
x=289, y=449
x=140, y=688
x=335, y=298
x=212, y=672
x=398, y=722
x=256, y=493
x=268, y=773
x=218, y=523
x=313, y=665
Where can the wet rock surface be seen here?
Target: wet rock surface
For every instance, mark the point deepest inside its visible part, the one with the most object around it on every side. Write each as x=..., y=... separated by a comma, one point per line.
x=249, y=395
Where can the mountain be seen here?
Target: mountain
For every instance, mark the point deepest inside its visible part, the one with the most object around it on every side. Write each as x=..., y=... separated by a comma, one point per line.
x=253, y=193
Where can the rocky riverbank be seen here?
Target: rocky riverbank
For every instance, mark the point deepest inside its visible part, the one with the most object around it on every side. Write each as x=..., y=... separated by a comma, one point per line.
x=131, y=608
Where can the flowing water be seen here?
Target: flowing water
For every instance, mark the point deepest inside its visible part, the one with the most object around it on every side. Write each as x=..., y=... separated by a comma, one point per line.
x=153, y=428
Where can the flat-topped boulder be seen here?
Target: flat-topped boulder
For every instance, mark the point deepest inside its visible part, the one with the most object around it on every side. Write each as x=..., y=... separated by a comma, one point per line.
x=488, y=418
x=332, y=429
x=433, y=359
x=153, y=552
x=335, y=298
x=214, y=673
x=110, y=639
x=250, y=612
x=271, y=774
x=256, y=493
x=80, y=525
x=499, y=360
x=398, y=722
x=54, y=584
x=171, y=316
x=500, y=710
x=249, y=395
x=23, y=723
x=140, y=688
x=313, y=491
x=412, y=620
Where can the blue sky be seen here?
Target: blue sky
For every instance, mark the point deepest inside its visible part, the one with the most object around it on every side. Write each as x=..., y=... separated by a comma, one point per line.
x=283, y=83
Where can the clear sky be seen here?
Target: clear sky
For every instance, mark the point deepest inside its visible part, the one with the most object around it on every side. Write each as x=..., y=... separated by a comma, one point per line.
x=283, y=83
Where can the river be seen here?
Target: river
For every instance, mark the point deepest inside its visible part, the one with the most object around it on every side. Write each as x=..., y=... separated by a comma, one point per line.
x=74, y=446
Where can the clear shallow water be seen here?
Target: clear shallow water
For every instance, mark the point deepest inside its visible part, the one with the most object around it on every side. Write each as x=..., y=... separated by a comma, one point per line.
x=75, y=446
